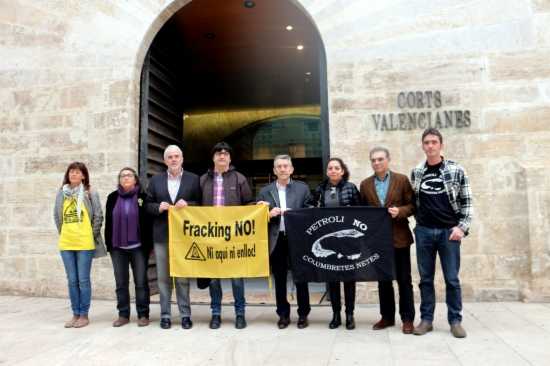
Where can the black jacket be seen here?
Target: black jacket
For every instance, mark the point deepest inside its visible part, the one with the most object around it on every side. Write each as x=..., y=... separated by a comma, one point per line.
x=157, y=192
x=145, y=229
x=236, y=190
x=297, y=196
x=348, y=195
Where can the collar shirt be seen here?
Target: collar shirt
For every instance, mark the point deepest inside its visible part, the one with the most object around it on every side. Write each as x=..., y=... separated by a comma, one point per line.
x=174, y=182
x=381, y=186
x=282, y=199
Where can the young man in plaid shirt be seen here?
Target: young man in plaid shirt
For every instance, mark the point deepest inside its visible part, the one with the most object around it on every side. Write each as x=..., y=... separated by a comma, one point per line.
x=443, y=216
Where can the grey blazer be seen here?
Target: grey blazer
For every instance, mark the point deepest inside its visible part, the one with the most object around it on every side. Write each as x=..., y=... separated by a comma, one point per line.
x=93, y=206
x=297, y=196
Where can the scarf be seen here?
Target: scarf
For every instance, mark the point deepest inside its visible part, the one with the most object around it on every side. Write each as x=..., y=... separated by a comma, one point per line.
x=126, y=218
x=77, y=194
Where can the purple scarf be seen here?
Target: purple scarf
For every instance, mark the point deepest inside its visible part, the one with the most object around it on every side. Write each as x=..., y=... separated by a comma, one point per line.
x=126, y=218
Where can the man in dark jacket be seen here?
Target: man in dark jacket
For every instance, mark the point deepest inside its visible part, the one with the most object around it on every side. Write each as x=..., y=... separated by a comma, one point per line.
x=173, y=188
x=224, y=186
x=282, y=195
x=386, y=188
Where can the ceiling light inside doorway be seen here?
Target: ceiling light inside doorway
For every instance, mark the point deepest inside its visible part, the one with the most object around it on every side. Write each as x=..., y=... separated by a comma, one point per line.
x=300, y=47
x=249, y=4
x=289, y=27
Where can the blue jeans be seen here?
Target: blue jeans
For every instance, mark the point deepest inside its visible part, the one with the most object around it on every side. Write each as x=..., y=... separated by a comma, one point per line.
x=78, y=264
x=216, y=296
x=430, y=242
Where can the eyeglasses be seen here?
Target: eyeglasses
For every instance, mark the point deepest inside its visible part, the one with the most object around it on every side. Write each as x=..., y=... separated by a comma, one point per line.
x=377, y=160
x=127, y=175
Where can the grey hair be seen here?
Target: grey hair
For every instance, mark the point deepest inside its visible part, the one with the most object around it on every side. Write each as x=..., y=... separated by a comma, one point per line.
x=282, y=157
x=379, y=149
x=171, y=148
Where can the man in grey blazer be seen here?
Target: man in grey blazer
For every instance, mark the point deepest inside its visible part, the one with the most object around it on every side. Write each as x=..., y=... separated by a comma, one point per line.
x=177, y=188
x=282, y=195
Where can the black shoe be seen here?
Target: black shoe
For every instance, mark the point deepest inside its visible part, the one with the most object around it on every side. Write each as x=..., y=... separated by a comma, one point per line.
x=350, y=322
x=336, y=321
x=302, y=322
x=283, y=322
x=215, y=322
x=186, y=323
x=165, y=323
x=240, y=322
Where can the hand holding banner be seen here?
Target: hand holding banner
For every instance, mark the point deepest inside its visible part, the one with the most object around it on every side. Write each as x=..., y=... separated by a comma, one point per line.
x=218, y=242
x=340, y=244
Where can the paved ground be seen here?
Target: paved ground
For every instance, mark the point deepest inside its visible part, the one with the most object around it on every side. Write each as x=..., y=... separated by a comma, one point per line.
x=32, y=333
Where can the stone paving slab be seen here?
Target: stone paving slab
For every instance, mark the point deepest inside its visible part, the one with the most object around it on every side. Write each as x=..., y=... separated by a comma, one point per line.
x=32, y=333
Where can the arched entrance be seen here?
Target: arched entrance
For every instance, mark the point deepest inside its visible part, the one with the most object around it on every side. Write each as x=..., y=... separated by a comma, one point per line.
x=252, y=73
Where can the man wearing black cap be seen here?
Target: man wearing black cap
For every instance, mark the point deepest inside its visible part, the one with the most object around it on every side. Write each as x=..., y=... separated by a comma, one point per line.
x=224, y=186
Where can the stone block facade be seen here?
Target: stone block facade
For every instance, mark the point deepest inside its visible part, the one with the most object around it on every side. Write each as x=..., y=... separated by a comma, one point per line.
x=69, y=90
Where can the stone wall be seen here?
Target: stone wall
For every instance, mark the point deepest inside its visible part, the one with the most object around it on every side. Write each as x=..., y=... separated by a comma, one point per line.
x=69, y=89
x=491, y=63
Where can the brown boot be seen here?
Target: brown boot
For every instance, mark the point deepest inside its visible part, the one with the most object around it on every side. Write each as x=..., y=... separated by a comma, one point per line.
x=458, y=331
x=143, y=322
x=383, y=324
x=82, y=322
x=120, y=322
x=71, y=323
x=407, y=327
x=423, y=328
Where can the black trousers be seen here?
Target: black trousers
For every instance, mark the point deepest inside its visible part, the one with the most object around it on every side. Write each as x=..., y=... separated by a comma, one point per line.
x=279, y=261
x=402, y=260
x=122, y=259
x=349, y=296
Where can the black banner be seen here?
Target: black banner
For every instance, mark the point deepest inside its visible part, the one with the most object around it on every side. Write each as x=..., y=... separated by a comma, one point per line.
x=340, y=244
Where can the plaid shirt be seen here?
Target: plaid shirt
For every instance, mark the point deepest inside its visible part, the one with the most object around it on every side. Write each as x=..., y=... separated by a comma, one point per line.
x=218, y=198
x=457, y=186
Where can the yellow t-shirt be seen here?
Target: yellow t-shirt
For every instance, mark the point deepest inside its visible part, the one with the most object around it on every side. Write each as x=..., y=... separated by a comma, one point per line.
x=75, y=234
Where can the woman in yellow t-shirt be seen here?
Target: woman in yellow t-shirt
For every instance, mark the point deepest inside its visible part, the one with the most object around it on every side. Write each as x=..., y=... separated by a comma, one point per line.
x=78, y=217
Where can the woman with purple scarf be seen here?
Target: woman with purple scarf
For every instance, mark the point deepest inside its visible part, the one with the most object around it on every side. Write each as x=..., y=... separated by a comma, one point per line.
x=128, y=238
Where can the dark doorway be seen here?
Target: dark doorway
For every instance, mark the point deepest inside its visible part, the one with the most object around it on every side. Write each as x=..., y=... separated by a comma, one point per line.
x=252, y=73
x=214, y=70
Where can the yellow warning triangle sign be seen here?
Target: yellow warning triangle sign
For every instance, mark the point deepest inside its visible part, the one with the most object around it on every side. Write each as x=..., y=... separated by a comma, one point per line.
x=194, y=253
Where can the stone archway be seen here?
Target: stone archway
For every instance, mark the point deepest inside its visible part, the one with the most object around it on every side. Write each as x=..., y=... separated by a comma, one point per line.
x=156, y=28
x=161, y=125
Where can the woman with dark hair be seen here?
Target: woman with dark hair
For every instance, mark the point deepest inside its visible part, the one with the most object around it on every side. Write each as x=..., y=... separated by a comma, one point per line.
x=78, y=217
x=128, y=237
x=337, y=191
